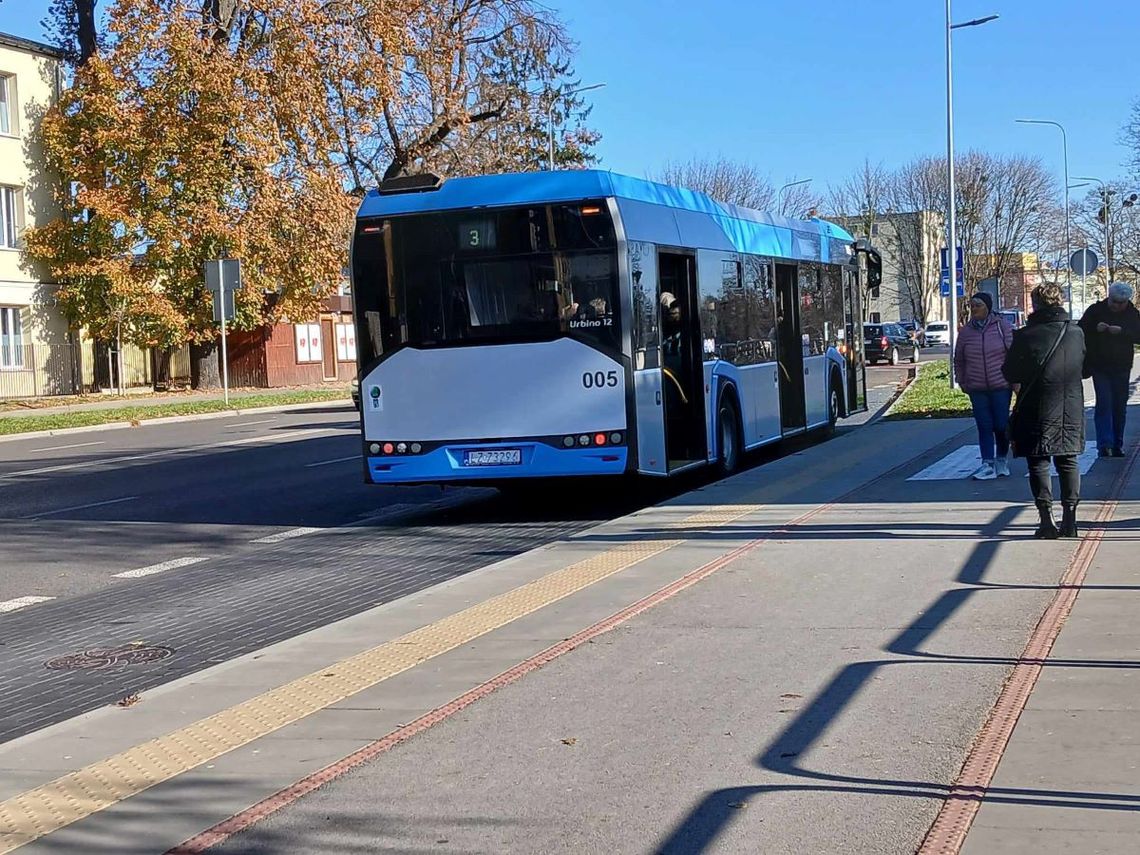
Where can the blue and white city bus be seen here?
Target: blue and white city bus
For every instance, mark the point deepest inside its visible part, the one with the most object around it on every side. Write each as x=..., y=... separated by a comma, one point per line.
x=583, y=323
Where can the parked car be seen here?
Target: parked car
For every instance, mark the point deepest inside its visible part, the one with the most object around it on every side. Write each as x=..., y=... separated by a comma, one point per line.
x=916, y=333
x=888, y=342
x=937, y=332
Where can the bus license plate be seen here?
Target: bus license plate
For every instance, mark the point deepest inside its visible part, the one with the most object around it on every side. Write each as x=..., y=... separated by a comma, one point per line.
x=496, y=457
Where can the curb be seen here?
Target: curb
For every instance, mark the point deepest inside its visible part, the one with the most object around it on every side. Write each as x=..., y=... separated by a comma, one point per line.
x=912, y=375
x=166, y=420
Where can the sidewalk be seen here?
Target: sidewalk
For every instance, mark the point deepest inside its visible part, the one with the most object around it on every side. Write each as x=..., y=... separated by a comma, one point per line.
x=797, y=660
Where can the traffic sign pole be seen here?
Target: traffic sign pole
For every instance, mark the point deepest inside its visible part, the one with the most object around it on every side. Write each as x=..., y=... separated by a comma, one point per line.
x=225, y=358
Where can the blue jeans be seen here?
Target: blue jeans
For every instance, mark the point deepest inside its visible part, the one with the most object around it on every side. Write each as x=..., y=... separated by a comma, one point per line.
x=1111, y=406
x=991, y=414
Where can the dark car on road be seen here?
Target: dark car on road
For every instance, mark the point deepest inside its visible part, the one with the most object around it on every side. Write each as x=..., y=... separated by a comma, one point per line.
x=888, y=343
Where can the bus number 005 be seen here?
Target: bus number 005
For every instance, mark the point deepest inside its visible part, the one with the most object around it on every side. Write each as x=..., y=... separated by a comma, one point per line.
x=599, y=379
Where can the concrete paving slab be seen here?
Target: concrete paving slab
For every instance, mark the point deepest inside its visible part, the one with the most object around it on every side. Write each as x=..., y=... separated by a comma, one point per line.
x=985, y=840
x=1069, y=779
x=737, y=700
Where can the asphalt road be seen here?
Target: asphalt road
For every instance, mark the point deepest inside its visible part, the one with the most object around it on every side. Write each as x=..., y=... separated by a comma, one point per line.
x=197, y=537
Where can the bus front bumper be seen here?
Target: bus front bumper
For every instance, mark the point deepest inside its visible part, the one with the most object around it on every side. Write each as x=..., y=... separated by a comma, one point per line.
x=536, y=460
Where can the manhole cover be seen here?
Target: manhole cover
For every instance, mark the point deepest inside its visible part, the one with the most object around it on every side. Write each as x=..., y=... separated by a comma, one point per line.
x=109, y=657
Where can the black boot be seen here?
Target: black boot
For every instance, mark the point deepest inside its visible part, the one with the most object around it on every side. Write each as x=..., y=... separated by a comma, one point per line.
x=1047, y=530
x=1069, y=521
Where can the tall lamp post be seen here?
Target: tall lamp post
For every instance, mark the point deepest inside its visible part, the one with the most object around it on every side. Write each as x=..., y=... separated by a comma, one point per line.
x=951, y=225
x=1068, y=246
x=780, y=192
x=550, y=115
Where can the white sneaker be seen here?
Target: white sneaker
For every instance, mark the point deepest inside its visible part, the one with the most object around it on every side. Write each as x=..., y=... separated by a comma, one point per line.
x=1001, y=467
x=986, y=472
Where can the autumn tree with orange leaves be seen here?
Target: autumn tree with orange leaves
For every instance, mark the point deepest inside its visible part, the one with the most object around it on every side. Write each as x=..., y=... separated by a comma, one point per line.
x=199, y=129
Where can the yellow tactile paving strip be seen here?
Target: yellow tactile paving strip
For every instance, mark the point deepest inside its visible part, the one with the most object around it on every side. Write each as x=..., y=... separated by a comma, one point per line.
x=48, y=808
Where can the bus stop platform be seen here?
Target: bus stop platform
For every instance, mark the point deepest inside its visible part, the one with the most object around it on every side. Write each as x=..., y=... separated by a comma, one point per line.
x=843, y=650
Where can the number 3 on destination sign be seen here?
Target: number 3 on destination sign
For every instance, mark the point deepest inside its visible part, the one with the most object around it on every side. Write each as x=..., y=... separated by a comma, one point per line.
x=473, y=237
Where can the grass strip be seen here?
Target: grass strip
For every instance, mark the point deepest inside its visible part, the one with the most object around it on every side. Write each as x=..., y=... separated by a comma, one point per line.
x=929, y=396
x=142, y=412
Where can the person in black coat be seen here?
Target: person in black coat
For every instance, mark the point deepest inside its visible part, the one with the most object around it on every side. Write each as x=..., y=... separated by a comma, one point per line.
x=1049, y=416
x=1111, y=328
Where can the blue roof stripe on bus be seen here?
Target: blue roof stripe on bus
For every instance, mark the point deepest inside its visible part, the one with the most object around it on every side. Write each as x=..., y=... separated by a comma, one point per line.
x=746, y=230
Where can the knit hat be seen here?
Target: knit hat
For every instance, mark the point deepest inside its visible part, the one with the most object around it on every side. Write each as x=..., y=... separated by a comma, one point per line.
x=985, y=298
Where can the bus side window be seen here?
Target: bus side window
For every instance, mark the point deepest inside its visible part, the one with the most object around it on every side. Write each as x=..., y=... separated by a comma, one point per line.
x=833, y=315
x=646, y=336
x=757, y=312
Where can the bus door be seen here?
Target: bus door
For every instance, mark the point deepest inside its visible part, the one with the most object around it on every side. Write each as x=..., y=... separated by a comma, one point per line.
x=853, y=344
x=682, y=369
x=793, y=417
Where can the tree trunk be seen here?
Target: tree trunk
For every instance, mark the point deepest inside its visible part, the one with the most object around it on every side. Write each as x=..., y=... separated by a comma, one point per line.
x=162, y=357
x=205, y=371
x=87, y=32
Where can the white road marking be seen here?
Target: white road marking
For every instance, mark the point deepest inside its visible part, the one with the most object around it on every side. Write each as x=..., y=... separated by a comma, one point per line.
x=170, y=452
x=964, y=462
x=73, y=445
x=249, y=424
x=287, y=535
x=330, y=462
x=173, y=564
x=36, y=516
x=21, y=602
x=960, y=463
x=388, y=513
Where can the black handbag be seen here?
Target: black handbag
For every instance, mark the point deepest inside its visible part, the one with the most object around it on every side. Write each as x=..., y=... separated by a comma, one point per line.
x=1011, y=428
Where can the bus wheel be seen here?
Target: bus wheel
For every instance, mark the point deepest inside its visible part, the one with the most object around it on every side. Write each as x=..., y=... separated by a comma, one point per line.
x=730, y=443
x=894, y=356
x=834, y=401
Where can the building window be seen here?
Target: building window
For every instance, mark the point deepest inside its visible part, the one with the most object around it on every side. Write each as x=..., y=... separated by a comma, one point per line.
x=6, y=104
x=346, y=343
x=875, y=318
x=11, y=338
x=308, y=338
x=11, y=217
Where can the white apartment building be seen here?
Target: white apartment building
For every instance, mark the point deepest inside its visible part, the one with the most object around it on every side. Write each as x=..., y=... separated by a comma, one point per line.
x=38, y=355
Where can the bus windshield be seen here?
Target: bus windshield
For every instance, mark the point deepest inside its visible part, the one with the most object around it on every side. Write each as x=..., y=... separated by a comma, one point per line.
x=487, y=277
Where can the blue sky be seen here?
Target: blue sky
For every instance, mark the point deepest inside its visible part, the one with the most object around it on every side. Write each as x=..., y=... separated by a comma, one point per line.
x=808, y=88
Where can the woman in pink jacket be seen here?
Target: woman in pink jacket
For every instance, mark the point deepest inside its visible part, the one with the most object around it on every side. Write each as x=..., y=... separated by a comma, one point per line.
x=978, y=357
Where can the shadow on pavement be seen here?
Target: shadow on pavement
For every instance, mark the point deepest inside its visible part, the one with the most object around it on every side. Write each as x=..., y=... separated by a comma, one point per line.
x=697, y=833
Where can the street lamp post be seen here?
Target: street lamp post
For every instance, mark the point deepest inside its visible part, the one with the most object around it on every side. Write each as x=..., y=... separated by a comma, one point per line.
x=780, y=192
x=951, y=225
x=1105, y=193
x=550, y=116
x=1068, y=246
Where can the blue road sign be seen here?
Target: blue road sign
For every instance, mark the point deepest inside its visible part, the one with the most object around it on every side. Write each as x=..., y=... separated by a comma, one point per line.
x=961, y=278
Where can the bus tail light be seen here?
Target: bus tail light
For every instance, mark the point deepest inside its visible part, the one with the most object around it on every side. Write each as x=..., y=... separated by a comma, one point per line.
x=599, y=439
x=390, y=448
